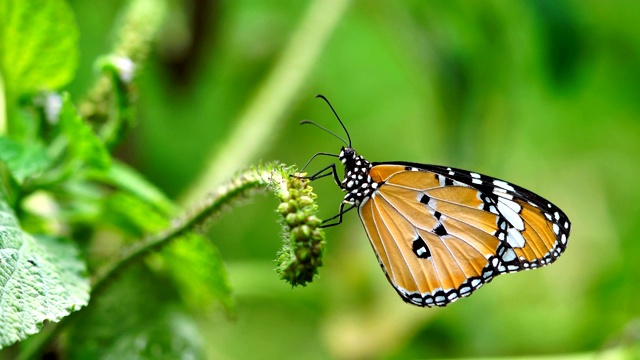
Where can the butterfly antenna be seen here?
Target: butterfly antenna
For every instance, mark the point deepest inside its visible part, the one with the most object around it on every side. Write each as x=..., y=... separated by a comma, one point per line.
x=325, y=129
x=336, y=114
x=314, y=156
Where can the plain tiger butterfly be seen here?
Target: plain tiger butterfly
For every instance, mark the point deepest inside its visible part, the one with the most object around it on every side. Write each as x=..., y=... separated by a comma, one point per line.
x=440, y=233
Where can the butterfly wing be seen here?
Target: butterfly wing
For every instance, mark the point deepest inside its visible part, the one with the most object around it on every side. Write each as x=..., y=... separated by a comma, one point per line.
x=440, y=233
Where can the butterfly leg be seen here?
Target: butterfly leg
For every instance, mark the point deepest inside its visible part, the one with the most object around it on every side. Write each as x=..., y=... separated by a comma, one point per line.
x=338, y=216
x=329, y=170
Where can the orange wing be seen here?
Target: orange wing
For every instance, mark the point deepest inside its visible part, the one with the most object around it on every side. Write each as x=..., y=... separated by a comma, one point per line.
x=441, y=233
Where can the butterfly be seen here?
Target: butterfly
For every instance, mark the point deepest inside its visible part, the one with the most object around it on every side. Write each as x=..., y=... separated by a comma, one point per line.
x=440, y=233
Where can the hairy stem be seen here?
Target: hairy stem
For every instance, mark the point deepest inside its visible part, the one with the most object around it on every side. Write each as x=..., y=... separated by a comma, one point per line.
x=239, y=187
x=273, y=176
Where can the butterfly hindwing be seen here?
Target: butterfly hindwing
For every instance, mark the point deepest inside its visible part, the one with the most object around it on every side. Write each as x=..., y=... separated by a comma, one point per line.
x=440, y=233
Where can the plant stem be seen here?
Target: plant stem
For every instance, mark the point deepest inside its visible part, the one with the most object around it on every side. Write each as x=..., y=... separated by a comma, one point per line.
x=242, y=185
x=258, y=123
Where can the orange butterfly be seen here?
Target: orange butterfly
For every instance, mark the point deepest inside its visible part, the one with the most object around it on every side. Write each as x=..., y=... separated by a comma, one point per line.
x=440, y=233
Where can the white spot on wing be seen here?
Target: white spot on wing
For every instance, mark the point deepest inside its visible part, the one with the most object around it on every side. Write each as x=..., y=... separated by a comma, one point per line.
x=513, y=205
x=515, y=238
x=503, y=195
x=509, y=255
x=504, y=185
x=509, y=210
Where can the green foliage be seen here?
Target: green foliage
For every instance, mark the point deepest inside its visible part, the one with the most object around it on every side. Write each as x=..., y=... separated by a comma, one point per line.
x=24, y=160
x=140, y=317
x=101, y=153
x=42, y=278
x=38, y=45
x=83, y=148
x=68, y=207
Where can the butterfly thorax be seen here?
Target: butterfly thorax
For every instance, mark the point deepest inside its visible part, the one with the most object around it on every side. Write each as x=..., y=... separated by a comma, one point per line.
x=357, y=182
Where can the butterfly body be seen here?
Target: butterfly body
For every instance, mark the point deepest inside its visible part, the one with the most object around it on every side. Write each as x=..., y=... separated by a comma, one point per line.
x=440, y=233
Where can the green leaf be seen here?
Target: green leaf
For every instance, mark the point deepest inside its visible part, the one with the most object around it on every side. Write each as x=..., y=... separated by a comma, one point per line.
x=23, y=160
x=41, y=279
x=133, y=215
x=126, y=178
x=192, y=260
x=139, y=317
x=38, y=44
x=85, y=149
x=200, y=273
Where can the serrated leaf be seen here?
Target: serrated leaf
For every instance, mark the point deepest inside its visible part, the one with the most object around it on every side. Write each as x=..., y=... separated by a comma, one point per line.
x=139, y=317
x=85, y=149
x=23, y=160
x=41, y=279
x=38, y=44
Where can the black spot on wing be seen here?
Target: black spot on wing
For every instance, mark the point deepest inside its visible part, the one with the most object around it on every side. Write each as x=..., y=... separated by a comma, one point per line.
x=448, y=181
x=420, y=248
x=440, y=230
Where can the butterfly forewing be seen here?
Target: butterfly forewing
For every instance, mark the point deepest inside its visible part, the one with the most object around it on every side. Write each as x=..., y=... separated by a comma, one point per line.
x=440, y=233
x=537, y=229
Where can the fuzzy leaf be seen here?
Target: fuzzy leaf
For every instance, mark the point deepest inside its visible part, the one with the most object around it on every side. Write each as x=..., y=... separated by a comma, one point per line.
x=41, y=279
x=38, y=44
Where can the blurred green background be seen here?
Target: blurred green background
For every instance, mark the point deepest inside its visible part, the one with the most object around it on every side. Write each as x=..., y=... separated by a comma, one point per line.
x=545, y=94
